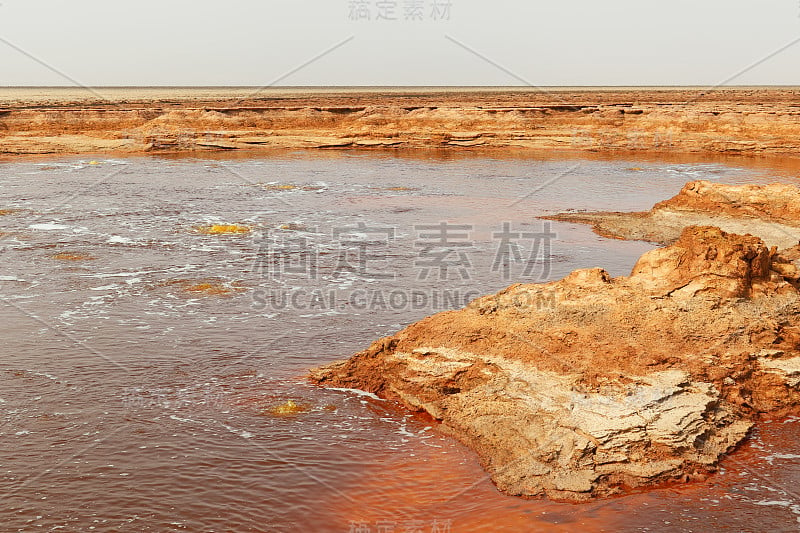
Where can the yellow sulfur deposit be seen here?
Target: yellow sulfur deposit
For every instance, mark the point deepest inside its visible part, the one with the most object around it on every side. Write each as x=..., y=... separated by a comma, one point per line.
x=211, y=289
x=279, y=187
x=223, y=229
x=290, y=407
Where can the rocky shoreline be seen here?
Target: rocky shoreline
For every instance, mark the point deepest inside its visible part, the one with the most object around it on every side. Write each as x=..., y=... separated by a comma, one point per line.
x=751, y=121
x=771, y=212
x=616, y=383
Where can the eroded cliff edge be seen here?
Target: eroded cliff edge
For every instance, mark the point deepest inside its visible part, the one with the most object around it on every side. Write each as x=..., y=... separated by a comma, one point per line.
x=757, y=121
x=590, y=385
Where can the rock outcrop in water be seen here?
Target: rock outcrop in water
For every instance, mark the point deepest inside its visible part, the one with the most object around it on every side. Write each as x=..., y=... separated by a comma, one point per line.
x=592, y=385
x=772, y=212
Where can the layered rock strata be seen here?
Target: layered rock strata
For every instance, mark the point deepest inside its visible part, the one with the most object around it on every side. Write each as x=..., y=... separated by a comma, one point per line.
x=676, y=121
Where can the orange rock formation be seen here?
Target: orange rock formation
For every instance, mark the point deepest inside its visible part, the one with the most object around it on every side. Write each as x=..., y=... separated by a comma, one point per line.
x=612, y=383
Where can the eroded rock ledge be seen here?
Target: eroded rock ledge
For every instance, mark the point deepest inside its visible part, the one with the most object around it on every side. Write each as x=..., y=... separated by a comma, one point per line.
x=592, y=385
x=772, y=212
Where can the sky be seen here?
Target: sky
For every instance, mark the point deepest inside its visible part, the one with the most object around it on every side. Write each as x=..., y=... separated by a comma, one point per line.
x=399, y=42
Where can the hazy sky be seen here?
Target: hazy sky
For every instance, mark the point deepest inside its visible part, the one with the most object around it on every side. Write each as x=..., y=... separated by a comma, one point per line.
x=256, y=42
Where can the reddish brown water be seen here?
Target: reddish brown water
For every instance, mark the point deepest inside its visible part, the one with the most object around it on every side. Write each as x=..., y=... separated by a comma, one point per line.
x=141, y=369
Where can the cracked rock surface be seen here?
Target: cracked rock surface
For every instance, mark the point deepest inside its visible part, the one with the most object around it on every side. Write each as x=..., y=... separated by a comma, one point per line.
x=592, y=385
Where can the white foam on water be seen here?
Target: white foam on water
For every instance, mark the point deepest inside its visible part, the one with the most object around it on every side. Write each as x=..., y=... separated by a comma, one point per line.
x=117, y=239
x=67, y=314
x=329, y=312
x=241, y=432
x=779, y=503
x=356, y=392
x=179, y=419
x=771, y=457
x=105, y=288
x=44, y=375
x=123, y=274
x=48, y=227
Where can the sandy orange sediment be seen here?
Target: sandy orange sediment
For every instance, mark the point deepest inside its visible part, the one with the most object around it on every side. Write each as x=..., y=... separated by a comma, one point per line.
x=68, y=121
